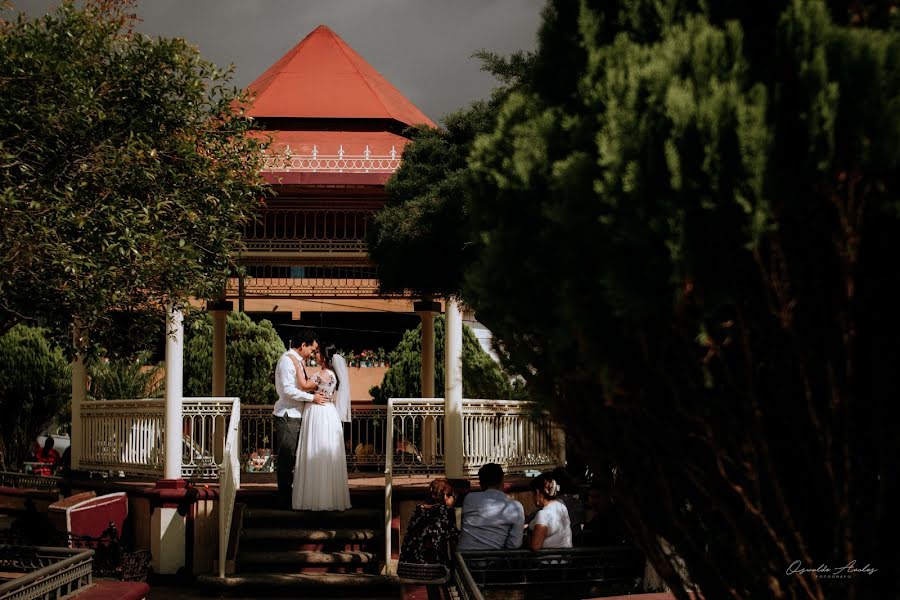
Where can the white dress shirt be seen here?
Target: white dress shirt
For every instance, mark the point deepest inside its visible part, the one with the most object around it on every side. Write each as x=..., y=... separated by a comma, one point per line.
x=491, y=521
x=291, y=399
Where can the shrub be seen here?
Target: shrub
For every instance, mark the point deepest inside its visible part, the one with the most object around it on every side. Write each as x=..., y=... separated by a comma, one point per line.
x=34, y=388
x=251, y=353
x=482, y=377
x=126, y=378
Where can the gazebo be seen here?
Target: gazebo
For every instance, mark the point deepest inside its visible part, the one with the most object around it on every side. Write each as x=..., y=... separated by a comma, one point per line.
x=337, y=129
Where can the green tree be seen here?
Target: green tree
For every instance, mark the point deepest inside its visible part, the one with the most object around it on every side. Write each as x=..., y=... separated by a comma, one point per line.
x=482, y=376
x=252, y=350
x=34, y=388
x=420, y=238
x=701, y=205
x=125, y=171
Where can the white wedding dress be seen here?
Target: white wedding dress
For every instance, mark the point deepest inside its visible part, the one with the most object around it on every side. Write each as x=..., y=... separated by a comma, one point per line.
x=320, y=473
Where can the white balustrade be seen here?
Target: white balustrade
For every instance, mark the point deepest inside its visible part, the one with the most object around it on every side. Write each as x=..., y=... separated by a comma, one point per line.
x=127, y=436
x=123, y=435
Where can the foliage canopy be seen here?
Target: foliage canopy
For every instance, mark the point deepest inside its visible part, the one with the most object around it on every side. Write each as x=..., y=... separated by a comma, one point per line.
x=420, y=238
x=125, y=174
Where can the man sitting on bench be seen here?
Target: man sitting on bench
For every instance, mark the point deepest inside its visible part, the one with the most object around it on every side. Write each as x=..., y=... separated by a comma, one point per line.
x=490, y=519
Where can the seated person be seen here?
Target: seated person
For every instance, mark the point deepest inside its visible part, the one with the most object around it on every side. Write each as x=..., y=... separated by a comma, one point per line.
x=551, y=526
x=48, y=458
x=430, y=536
x=604, y=527
x=568, y=495
x=490, y=519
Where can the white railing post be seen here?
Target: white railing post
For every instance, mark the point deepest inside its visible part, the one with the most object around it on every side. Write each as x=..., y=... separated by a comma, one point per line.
x=453, y=429
x=388, y=484
x=174, y=391
x=229, y=482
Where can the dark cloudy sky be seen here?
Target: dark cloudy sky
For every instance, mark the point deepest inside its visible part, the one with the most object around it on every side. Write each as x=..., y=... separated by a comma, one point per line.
x=423, y=47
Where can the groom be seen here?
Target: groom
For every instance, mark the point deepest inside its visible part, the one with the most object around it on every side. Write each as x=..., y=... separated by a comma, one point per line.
x=289, y=408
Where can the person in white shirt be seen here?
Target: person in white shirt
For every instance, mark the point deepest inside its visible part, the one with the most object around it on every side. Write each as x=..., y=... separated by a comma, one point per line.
x=490, y=519
x=289, y=374
x=551, y=527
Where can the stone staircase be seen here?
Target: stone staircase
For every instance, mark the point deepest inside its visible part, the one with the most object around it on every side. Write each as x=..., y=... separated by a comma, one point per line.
x=303, y=553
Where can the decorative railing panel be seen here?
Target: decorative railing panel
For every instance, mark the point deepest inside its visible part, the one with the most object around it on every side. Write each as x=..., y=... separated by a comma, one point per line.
x=205, y=424
x=273, y=281
x=44, y=572
x=332, y=163
x=123, y=435
x=309, y=229
x=507, y=432
x=364, y=438
x=127, y=436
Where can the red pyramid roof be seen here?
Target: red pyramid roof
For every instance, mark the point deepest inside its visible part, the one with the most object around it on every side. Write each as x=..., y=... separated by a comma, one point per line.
x=323, y=77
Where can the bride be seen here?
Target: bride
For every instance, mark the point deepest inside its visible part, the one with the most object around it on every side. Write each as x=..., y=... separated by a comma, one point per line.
x=320, y=473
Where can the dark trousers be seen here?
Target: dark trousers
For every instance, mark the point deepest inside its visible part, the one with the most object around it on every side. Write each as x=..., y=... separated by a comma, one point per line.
x=287, y=433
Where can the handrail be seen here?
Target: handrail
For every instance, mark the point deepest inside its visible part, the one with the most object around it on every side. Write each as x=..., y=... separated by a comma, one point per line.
x=71, y=572
x=229, y=482
x=465, y=583
x=388, y=486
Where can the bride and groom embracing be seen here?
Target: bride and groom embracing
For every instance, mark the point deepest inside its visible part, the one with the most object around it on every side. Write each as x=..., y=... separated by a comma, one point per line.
x=312, y=464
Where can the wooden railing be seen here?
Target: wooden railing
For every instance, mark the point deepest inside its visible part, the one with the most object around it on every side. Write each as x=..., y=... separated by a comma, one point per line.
x=336, y=230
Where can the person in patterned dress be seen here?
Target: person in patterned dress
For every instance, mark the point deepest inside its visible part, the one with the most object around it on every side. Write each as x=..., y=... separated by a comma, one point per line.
x=427, y=547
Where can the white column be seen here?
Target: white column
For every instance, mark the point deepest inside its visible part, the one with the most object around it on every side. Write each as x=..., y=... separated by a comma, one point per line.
x=168, y=526
x=167, y=541
x=174, y=390
x=453, y=429
x=79, y=394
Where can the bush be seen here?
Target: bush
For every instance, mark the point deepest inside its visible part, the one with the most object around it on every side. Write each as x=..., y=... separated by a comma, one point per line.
x=34, y=387
x=126, y=378
x=482, y=377
x=251, y=353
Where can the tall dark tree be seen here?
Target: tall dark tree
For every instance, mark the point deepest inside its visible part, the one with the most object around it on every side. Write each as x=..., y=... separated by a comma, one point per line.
x=420, y=239
x=125, y=172
x=698, y=211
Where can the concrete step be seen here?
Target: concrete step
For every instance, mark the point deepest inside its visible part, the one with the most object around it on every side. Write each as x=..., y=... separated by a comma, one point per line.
x=263, y=559
x=269, y=518
x=333, y=585
x=309, y=536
